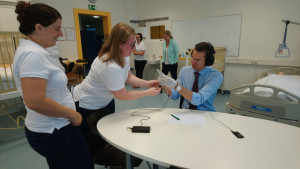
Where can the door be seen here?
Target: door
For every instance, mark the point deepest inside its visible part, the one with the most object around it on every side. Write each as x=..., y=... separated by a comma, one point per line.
x=92, y=29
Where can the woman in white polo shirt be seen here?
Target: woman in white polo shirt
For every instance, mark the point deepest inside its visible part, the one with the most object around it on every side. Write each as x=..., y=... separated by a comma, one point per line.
x=140, y=57
x=51, y=114
x=108, y=75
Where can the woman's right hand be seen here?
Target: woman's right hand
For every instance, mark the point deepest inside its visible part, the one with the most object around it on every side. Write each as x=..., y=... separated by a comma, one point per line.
x=76, y=119
x=153, y=91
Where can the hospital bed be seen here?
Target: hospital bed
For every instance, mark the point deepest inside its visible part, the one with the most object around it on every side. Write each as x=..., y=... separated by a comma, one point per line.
x=8, y=90
x=272, y=97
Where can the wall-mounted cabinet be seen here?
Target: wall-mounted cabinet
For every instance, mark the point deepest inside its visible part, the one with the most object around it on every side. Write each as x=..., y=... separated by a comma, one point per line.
x=157, y=32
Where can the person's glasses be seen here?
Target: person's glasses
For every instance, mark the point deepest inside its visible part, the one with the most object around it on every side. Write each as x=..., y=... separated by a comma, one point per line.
x=131, y=45
x=195, y=60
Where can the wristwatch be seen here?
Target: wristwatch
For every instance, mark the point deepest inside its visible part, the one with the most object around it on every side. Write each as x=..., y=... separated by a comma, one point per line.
x=177, y=87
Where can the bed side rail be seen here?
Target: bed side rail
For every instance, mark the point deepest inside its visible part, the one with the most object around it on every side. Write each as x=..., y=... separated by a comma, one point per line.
x=286, y=70
x=275, y=89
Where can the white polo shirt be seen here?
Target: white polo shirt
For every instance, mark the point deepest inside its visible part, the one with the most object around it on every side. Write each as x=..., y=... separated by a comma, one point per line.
x=140, y=47
x=95, y=90
x=55, y=55
x=32, y=60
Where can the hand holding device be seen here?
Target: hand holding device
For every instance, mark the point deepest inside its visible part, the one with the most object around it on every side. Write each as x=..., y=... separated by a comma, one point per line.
x=153, y=83
x=153, y=91
x=165, y=80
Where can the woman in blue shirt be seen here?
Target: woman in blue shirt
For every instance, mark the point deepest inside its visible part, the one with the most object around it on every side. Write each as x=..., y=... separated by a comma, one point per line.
x=170, y=55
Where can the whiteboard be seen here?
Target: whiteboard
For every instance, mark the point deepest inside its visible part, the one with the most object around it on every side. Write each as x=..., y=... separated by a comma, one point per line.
x=221, y=31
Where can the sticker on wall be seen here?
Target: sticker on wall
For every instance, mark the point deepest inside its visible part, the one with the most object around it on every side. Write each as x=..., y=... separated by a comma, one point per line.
x=70, y=34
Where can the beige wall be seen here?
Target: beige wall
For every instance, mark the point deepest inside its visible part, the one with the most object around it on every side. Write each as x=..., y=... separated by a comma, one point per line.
x=8, y=19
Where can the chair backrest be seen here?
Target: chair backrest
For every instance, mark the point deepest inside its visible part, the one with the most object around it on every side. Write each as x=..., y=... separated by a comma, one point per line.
x=104, y=153
x=181, y=101
x=93, y=119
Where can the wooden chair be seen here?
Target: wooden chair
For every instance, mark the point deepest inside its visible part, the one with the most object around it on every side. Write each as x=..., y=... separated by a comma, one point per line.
x=75, y=74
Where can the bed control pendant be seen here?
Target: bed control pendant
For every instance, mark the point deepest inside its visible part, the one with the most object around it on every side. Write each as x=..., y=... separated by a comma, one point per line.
x=283, y=50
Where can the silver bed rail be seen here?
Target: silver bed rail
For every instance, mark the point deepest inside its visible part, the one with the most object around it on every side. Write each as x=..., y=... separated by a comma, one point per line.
x=276, y=91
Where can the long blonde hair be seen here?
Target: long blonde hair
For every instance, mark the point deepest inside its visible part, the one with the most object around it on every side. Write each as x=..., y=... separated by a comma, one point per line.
x=120, y=33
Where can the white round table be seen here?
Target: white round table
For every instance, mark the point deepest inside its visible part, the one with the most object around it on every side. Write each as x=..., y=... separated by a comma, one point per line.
x=267, y=144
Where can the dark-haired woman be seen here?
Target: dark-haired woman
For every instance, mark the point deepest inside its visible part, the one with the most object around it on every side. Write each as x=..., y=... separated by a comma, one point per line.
x=140, y=57
x=51, y=117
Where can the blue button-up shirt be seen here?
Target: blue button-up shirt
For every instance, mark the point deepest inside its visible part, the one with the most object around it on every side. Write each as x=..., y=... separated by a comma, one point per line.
x=209, y=81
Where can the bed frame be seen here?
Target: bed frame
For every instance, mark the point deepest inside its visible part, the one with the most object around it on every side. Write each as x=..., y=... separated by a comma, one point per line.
x=271, y=108
x=8, y=90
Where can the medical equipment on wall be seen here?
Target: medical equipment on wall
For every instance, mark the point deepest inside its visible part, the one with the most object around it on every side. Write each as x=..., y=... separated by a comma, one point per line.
x=283, y=50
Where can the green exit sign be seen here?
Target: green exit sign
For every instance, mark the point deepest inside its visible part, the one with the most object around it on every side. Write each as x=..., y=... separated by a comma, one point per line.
x=92, y=7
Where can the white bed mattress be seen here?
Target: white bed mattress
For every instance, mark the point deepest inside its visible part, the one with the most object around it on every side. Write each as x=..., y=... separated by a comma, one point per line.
x=290, y=83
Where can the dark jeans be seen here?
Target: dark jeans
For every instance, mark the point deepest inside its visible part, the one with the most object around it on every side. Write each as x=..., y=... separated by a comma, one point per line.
x=139, y=67
x=170, y=68
x=64, y=148
x=84, y=128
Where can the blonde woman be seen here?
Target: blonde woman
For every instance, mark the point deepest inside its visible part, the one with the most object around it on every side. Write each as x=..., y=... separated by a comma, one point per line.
x=170, y=55
x=108, y=75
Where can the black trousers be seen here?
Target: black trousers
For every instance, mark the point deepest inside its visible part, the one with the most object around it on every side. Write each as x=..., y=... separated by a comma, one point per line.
x=139, y=67
x=170, y=68
x=84, y=128
x=63, y=149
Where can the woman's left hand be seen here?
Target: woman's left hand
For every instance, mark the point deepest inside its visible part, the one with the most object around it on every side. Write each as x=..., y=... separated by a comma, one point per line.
x=152, y=83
